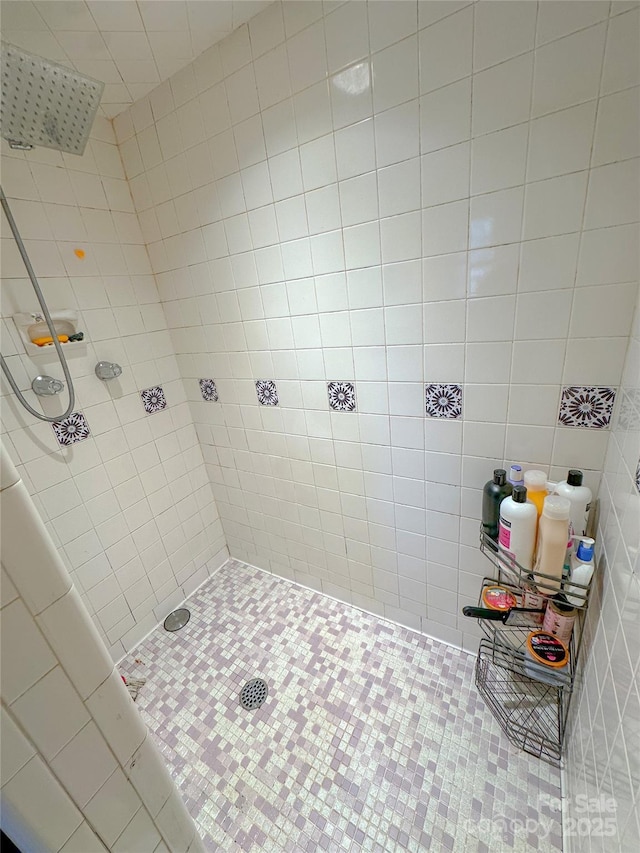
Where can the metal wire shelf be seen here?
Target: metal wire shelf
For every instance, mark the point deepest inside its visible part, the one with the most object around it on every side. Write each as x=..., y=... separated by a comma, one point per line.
x=532, y=713
x=519, y=575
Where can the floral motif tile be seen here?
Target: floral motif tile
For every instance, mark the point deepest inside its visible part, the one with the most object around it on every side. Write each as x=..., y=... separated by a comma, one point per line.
x=443, y=400
x=71, y=429
x=153, y=400
x=342, y=396
x=267, y=392
x=586, y=406
x=208, y=390
x=372, y=737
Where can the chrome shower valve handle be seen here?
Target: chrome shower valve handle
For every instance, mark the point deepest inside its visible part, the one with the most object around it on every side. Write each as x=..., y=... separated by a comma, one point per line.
x=47, y=386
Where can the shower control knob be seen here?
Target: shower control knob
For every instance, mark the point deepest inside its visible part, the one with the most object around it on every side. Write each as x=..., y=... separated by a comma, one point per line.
x=46, y=386
x=107, y=370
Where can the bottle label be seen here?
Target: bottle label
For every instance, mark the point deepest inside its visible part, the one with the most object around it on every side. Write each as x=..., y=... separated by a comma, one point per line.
x=504, y=533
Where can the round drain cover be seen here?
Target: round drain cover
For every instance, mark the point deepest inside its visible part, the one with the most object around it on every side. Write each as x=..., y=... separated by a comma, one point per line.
x=253, y=693
x=176, y=620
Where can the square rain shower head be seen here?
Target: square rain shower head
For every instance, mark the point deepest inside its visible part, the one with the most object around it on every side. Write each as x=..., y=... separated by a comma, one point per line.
x=44, y=103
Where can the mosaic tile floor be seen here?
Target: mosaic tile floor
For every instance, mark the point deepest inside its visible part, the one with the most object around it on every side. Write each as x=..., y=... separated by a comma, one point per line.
x=372, y=738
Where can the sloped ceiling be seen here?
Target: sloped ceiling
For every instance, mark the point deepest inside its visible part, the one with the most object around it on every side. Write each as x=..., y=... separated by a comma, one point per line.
x=130, y=46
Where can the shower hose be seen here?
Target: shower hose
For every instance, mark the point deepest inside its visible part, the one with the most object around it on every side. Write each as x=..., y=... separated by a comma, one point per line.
x=47, y=316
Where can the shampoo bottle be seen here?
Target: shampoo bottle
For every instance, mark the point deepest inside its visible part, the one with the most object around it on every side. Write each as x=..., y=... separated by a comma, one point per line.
x=553, y=532
x=582, y=566
x=580, y=497
x=494, y=492
x=517, y=527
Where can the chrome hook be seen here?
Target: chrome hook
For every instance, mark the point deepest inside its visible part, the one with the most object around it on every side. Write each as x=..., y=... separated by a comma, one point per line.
x=106, y=370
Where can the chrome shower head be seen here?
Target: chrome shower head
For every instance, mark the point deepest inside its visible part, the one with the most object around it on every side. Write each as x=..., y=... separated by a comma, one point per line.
x=44, y=103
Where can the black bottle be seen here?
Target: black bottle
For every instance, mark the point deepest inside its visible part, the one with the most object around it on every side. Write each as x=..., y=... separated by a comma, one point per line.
x=494, y=492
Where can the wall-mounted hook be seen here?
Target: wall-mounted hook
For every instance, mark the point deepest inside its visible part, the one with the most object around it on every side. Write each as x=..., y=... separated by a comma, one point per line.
x=107, y=370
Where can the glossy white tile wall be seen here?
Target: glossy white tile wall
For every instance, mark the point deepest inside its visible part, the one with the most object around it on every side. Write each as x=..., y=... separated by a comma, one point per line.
x=392, y=193
x=130, y=508
x=79, y=772
x=604, y=761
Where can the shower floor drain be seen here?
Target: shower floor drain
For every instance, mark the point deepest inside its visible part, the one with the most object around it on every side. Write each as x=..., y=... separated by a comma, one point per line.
x=253, y=693
x=177, y=619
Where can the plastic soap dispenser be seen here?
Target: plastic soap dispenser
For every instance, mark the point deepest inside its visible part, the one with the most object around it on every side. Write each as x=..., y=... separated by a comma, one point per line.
x=582, y=567
x=580, y=497
x=517, y=534
x=553, y=532
x=494, y=492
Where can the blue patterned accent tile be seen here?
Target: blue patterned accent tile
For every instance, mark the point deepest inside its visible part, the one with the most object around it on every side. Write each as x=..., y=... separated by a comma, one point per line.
x=72, y=429
x=208, y=390
x=586, y=406
x=342, y=396
x=153, y=400
x=443, y=400
x=267, y=392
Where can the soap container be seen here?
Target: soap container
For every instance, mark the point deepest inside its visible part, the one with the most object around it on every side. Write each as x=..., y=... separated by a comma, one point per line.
x=546, y=659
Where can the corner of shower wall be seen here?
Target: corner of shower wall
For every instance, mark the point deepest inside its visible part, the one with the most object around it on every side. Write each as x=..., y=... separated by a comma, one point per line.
x=602, y=779
x=127, y=499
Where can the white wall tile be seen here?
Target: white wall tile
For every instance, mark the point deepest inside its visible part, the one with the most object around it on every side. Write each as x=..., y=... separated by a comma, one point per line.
x=561, y=142
x=554, y=206
x=568, y=70
x=500, y=33
x=621, y=62
x=613, y=195
x=35, y=796
x=445, y=51
x=16, y=749
x=112, y=807
x=501, y=95
x=26, y=657
x=499, y=160
x=51, y=712
x=80, y=777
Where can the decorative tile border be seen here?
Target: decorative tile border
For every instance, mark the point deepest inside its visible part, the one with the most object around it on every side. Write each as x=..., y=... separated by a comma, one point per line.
x=267, y=392
x=638, y=476
x=586, y=406
x=208, y=390
x=443, y=400
x=72, y=429
x=153, y=399
x=342, y=396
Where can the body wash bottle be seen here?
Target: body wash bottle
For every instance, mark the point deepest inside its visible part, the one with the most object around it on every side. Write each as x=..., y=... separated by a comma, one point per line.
x=517, y=533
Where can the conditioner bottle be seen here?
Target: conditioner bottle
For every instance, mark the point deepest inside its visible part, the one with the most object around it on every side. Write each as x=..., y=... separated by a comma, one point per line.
x=553, y=532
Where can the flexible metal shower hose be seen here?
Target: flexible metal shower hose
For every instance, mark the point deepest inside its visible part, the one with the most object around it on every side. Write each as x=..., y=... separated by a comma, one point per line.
x=63, y=362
